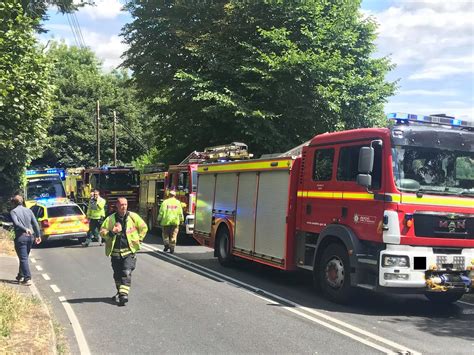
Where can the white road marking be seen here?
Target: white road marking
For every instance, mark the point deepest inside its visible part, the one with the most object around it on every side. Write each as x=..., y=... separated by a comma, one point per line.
x=470, y=304
x=81, y=340
x=39, y=268
x=55, y=288
x=295, y=307
x=46, y=277
x=33, y=260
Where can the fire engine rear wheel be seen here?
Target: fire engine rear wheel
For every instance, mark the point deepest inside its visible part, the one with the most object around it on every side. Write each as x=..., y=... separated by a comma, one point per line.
x=334, y=274
x=444, y=297
x=149, y=222
x=223, y=248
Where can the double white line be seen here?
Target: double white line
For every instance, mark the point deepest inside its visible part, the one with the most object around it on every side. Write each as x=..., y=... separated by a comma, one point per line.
x=367, y=338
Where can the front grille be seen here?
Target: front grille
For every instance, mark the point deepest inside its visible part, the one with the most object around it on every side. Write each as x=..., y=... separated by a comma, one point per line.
x=437, y=225
x=455, y=262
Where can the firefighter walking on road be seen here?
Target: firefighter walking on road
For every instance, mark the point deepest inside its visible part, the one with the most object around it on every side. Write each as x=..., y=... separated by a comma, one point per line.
x=123, y=232
x=95, y=214
x=170, y=217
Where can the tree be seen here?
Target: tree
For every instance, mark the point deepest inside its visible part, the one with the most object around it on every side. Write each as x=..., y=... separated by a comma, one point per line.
x=25, y=96
x=269, y=73
x=79, y=83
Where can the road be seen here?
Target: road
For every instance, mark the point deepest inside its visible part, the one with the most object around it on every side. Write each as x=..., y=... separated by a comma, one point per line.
x=188, y=303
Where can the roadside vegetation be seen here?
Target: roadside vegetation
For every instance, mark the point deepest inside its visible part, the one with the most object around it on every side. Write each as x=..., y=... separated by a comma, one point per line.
x=24, y=322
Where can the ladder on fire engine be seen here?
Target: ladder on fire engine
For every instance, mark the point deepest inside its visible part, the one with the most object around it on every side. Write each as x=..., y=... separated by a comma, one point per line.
x=225, y=152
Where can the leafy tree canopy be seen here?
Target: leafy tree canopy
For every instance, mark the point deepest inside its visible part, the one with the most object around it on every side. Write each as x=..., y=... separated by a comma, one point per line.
x=37, y=9
x=79, y=83
x=270, y=73
x=25, y=96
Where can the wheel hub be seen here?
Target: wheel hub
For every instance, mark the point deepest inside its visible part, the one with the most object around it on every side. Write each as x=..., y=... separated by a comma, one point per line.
x=335, y=272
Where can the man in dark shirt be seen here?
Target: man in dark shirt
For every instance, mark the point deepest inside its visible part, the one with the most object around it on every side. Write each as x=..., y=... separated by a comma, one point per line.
x=24, y=223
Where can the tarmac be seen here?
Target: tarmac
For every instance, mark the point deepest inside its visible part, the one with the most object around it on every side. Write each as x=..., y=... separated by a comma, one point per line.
x=8, y=272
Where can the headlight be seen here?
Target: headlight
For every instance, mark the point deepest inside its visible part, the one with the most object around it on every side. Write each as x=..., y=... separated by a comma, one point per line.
x=395, y=261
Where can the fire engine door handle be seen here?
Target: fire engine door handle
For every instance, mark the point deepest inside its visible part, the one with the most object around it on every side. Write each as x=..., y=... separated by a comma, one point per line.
x=308, y=208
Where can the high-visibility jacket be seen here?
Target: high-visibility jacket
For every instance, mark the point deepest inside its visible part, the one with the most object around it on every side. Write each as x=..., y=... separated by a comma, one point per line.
x=171, y=213
x=135, y=232
x=96, y=209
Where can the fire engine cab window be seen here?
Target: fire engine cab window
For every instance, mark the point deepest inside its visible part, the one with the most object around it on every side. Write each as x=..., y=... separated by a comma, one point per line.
x=323, y=164
x=347, y=168
x=183, y=182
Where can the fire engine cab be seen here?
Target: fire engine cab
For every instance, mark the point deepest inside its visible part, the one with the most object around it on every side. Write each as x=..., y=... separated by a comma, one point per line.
x=386, y=209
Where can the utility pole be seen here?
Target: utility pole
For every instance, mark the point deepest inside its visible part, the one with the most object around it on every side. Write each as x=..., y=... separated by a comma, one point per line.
x=115, y=138
x=97, y=125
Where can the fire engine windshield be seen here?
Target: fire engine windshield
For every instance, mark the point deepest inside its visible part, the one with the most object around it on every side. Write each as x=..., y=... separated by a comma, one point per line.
x=44, y=188
x=118, y=181
x=433, y=170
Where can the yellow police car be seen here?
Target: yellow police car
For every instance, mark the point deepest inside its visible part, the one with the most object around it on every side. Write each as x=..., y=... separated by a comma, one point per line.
x=60, y=219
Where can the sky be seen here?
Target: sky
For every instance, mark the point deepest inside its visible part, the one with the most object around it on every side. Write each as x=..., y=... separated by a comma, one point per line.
x=431, y=42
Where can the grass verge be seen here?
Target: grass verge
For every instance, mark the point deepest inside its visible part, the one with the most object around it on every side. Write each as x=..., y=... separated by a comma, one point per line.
x=6, y=242
x=24, y=324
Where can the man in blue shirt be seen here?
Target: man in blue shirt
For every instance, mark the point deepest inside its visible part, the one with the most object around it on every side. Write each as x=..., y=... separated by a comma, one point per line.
x=25, y=224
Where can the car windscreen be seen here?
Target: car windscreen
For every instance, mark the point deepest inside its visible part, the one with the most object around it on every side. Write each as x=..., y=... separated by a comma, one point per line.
x=44, y=188
x=64, y=211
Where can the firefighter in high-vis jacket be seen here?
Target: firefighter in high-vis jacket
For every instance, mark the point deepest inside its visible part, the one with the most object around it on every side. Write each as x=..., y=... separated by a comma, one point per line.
x=95, y=214
x=170, y=217
x=123, y=232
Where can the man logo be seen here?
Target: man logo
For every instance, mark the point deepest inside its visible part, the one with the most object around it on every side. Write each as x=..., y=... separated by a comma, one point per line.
x=453, y=225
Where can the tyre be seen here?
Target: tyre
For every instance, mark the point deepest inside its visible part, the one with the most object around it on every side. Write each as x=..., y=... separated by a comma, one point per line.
x=444, y=297
x=334, y=274
x=223, y=248
x=149, y=222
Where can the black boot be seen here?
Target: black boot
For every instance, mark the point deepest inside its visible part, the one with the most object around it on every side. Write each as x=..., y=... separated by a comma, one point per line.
x=166, y=248
x=115, y=298
x=123, y=299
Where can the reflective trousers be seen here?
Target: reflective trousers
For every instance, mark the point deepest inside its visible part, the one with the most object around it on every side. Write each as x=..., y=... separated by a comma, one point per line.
x=123, y=267
x=170, y=235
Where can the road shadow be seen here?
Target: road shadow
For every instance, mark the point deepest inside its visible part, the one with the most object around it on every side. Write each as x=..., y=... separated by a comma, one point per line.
x=68, y=243
x=107, y=300
x=154, y=238
x=8, y=281
x=445, y=320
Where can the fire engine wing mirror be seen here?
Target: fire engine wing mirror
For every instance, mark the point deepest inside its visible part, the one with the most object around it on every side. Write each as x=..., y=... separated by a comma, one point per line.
x=366, y=165
x=366, y=160
x=364, y=180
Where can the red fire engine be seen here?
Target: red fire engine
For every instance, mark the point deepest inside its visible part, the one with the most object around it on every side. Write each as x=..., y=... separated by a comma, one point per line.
x=183, y=177
x=386, y=209
x=112, y=183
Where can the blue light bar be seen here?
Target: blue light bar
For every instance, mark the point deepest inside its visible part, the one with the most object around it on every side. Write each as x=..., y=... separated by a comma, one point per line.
x=405, y=118
x=53, y=171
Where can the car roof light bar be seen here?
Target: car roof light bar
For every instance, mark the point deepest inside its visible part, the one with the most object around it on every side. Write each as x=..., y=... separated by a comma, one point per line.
x=405, y=118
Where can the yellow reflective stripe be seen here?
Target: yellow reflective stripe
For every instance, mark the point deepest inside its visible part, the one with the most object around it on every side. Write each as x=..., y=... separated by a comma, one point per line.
x=324, y=194
x=124, y=289
x=358, y=196
x=269, y=164
x=438, y=201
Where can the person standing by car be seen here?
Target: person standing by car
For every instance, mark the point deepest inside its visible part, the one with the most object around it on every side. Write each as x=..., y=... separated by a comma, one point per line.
x=95, y=214
x=123, y=232
x=24, y=223
x=170, y=217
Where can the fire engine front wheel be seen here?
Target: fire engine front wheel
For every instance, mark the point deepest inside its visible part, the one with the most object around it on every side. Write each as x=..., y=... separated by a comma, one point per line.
x=444, y=297
x=334, y=274
x=223, y=248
